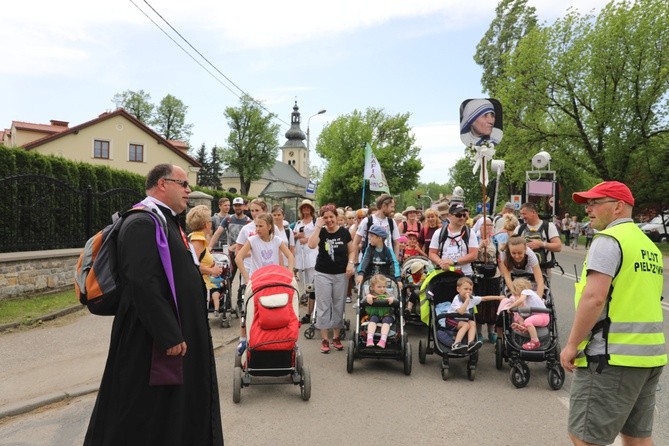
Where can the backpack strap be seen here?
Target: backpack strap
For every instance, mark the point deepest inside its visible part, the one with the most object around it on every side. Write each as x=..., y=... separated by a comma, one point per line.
x=443, y=235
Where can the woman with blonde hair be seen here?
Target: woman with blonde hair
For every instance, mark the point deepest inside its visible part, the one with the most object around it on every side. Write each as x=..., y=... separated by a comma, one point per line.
x=431, y=224
x=199, y=221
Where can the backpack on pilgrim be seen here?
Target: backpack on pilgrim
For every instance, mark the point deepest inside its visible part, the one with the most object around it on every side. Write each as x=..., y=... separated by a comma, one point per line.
x=96, y=280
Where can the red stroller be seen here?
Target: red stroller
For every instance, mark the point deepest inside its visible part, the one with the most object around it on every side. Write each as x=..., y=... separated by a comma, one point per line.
x=272, y=328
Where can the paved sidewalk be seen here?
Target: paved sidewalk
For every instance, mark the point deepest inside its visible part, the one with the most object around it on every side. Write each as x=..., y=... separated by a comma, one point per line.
x=61, y=359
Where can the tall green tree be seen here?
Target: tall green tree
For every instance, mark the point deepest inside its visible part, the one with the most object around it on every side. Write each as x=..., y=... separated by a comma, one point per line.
x=201, y=156
x=137, y=103
x=513, y=20
x=252, y=143
x=214, y=168
x=592, y=91
x=170, y=119
x=342, y=145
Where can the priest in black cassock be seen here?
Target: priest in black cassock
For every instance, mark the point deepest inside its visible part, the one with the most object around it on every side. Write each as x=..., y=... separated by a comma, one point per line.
x=138, y=403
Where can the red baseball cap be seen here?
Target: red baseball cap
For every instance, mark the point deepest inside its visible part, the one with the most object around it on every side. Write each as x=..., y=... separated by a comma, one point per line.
x=610, y=189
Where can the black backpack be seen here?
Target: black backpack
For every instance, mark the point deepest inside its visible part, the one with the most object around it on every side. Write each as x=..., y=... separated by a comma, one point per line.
x=443, y=235
x=546, y=257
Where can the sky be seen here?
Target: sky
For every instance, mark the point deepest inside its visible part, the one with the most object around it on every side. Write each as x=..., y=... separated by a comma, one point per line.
x=66, y=60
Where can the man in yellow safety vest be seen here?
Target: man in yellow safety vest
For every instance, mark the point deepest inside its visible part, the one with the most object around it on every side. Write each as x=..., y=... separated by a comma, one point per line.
x=616, y=347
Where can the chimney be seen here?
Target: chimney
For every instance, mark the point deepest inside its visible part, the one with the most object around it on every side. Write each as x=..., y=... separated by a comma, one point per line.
x=56, y=123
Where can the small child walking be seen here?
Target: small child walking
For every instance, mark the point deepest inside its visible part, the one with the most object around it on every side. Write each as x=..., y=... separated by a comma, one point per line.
x=463, y=305
x=378, y=315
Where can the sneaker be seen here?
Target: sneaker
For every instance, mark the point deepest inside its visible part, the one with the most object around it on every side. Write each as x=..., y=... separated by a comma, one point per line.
x=381, y=343
x=479, y=336
x=370, y=342
x=532, y=345
x=492, y=337
x=348, y=299
x=457, y=347
x=306, y=319
x=336, y=343
x=325, y=346
x=474, y=345
x=216, y=314
x=241, y=347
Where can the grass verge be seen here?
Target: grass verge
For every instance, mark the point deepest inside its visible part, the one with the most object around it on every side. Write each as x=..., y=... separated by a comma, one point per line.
x=28, y=309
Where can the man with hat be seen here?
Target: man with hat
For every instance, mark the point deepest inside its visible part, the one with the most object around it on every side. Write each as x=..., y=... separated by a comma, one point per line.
x=305, y=257
x=442, y=211
x=454, y=244
x=232, y=224
x=616, y=347
x=411, y=224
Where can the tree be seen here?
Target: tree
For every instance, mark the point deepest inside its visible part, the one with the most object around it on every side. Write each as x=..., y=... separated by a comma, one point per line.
x=137, y=103
x=342, y=144
x=592, y=91
x=513, y=20
x=214, y=169
x=170, y=119
x=252, y=143
x=201, y=157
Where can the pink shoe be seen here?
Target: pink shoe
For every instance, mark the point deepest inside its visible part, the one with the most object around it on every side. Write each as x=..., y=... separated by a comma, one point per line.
x=381, y=343
x=532, y=345
x=370, y=342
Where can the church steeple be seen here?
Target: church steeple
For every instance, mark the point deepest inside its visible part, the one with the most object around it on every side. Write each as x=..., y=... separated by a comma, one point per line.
x=294, y=150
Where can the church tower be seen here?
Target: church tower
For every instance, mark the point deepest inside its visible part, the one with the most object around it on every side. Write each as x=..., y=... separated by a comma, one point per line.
x=294, y=152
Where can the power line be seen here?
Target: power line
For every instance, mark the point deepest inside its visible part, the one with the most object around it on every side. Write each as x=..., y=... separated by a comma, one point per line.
x=258, y=103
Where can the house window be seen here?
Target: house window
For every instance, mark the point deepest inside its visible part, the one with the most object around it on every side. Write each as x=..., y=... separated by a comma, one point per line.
x=101, y=149
x=136, y=153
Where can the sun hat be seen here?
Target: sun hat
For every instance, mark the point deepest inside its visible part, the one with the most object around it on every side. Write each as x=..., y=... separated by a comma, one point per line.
x=238, y=200
x=509, y=205
x=409, y=233
x=409, y=209
x=309, y=203
x=473, y=109
x=416, y=267
x=610, y=189
x=378, y=230
x=402, y=239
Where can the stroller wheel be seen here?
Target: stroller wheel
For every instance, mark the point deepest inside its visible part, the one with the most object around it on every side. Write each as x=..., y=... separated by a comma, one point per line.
x=422, y=352
x=520, y=375
x=305, y=384
x=309, y=332
x=237, y=385
x=350, y=356
x=499, y=353
x=299, y=362
x=556, y=377
x=238, y=361
x=407, y=359
x=445, y=372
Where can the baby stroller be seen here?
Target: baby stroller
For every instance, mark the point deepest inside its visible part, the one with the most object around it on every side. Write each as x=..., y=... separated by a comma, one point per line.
x=397, y=346
x=311, y=329
x=222, y=284
x=272, y=329
x=438, y=289
x=509, y=346
x=414, y=266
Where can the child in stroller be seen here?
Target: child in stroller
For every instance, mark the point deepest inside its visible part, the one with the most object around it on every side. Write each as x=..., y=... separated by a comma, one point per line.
x=378, y=315
x=526, y=337
x=463, y=306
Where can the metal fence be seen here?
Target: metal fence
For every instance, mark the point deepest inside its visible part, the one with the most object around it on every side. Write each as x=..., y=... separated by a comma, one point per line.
x=42, y=213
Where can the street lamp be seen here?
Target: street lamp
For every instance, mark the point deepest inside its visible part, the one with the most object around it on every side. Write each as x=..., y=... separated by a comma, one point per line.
x=320, y=112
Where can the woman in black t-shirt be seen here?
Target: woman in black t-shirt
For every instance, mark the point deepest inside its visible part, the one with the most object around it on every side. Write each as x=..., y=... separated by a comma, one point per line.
x=334, y=266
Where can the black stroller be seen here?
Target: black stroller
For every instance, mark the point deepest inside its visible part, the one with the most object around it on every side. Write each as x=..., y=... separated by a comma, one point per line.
x=509, y=346
x=397, y=346
x=223, y=284
x=439, y=289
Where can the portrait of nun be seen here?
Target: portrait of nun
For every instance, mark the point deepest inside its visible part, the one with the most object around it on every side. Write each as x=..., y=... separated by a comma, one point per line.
x=480, y=121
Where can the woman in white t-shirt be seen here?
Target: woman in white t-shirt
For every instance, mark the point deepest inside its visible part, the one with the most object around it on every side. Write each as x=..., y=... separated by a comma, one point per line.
x=263, y=248
x=517, y=257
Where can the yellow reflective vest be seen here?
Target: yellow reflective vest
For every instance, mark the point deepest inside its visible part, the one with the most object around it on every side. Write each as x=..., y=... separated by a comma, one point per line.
x=633, y=327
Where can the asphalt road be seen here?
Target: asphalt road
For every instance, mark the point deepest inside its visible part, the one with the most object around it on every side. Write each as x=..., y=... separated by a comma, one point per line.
x=376, y=404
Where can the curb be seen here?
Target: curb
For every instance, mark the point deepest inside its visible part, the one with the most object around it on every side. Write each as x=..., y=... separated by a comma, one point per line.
x=56, y=397
x=46, y=317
